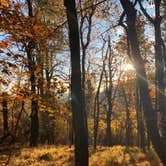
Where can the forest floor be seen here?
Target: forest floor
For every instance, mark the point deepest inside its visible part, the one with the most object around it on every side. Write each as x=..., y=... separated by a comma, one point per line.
x=63, y=156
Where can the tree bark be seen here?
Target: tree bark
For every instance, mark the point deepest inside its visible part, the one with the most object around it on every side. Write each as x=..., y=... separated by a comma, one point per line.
x=140, y=121
x=160, y=75
x=128, y=120
x=77, y=103
x=5, y=114
x=159, y=60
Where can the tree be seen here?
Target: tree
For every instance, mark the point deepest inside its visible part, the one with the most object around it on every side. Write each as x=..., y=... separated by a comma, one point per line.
x=97, y=102
x=159, y=62
x=77, y=103
x=34, y=103
x=111, y=89
x=140, y=120
x=138, y=63
x=128, y=120
x=85, y=22
x=5, y=114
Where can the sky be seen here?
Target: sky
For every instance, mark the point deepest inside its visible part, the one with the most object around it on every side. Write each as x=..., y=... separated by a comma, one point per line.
x=101, y=26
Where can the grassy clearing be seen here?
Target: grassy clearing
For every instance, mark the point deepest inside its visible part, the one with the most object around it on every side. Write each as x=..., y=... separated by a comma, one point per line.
x=63, y=156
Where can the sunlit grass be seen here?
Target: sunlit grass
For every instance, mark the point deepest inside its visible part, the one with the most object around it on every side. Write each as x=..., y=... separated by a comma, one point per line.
x=122, y=156
x=63, y=156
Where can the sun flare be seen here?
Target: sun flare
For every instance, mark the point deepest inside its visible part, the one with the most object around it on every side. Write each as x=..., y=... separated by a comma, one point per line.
x=128, y=67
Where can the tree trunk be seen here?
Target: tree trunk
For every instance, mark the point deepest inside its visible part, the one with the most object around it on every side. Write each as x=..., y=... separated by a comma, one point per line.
x=160, y=87
x=19, y=118
x=159, y=60
x=34, y=123
x=70, y=132
x=77, y=103
x=140, y=122
x=34, y=102
x=108, y=128
x=84, y=45
x=40, y=75
x=97, y=104
x=109, y=99
x=84, y=88
x=5, y=114
x=128, y=120
x=149, y=113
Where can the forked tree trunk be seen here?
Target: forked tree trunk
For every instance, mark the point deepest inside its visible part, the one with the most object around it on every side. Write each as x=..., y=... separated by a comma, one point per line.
x=149, y=113
x=77, y=103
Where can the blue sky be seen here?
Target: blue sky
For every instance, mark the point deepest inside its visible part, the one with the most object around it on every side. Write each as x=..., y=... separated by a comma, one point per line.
x=102, y=26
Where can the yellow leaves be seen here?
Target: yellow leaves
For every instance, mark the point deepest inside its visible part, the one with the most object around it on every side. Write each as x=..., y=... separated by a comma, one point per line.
x=89, y=78
x=86, y=91
x=17, y=6
x=19, y=27
x=28, y=34
x=26, y=74
x=51, y=115
x=3, y=3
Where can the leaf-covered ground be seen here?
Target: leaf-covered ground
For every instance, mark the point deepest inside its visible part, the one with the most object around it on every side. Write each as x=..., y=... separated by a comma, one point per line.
x=63, y=156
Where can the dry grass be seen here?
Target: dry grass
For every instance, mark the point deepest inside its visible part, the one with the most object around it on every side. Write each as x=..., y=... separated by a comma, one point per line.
x=42, y=156
x=122, y=156
x=63, y=156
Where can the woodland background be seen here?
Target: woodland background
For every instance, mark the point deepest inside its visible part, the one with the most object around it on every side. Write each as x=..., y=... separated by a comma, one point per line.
x=88, y=73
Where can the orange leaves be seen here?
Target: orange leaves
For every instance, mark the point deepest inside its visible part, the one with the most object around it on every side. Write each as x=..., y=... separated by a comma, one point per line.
x=61, y=112
x=26, y=74
x=3, y=3
x=51, y=115
x=16, y=6
x=22, y=29
x=3, y=45
x=18, y=97
x=152, y=90
x=37, y=28
x=38, y=69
